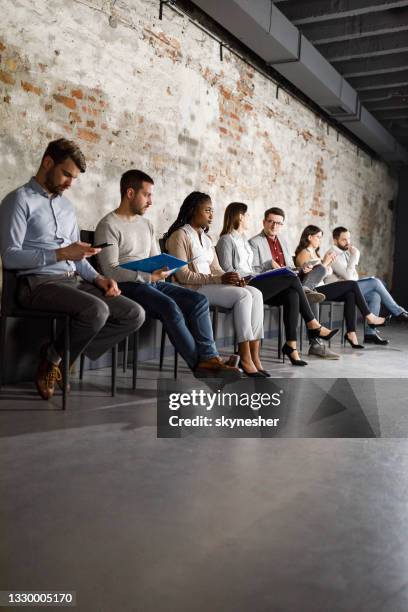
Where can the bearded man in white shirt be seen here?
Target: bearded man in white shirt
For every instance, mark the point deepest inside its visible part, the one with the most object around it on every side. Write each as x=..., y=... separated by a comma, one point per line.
x=345, y=268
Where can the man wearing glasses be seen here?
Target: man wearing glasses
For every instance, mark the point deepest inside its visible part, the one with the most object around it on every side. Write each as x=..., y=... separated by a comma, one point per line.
x=271, y=251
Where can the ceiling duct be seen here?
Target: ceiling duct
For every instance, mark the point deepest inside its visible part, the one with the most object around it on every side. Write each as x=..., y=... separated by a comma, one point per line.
x=263, y=28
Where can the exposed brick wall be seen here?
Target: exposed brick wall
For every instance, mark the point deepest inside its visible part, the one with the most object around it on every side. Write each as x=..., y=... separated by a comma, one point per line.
x=154, y=94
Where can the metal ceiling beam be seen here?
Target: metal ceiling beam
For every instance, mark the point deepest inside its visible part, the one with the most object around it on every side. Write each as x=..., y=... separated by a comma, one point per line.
x=376, y=95
x=373, y=65
x=301, y=13
x=395, y=115
x=401, y=125
x=392, y=104
x=379, y=81
x=357, y=27
x=371, y=46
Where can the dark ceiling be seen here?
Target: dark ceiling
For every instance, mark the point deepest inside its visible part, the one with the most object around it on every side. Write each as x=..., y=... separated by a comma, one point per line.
x=367, y=42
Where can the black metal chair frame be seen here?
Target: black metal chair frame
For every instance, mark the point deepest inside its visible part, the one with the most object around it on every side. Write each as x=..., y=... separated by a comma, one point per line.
x=269, y=308
x=89, y=236
x=11, y=309
x=331, y=304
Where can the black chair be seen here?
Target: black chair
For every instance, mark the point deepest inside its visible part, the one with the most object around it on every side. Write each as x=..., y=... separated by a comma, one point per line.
x=89, y=236
x=11, y=309
x=330, y=304
x=269, y=309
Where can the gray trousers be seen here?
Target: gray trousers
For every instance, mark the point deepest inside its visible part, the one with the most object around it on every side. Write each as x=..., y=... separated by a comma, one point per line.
x=97, y=322
x=313, y=278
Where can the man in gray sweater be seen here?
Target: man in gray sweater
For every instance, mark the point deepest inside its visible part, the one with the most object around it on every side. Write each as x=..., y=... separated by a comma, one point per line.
x=184, y=313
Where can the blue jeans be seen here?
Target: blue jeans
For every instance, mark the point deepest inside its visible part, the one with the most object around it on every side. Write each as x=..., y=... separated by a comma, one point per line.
x=184, y=314
x=376, y=294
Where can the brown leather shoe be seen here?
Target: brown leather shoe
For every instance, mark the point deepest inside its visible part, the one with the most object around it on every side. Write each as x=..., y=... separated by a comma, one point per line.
x=216, y=365
x=47, y=374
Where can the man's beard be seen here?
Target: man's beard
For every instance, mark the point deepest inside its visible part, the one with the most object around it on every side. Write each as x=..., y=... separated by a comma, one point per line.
x=51, y=186
x=342, y=248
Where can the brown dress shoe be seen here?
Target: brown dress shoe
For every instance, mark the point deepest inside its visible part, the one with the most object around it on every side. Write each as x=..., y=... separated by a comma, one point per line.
x=47, y=374
x=216, y=365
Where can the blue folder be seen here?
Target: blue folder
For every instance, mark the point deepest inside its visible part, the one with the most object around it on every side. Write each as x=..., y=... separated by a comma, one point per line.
x=155, y=263
x=276, y=272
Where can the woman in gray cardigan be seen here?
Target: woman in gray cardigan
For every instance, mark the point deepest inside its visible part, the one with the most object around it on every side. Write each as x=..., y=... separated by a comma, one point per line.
x=235, y=254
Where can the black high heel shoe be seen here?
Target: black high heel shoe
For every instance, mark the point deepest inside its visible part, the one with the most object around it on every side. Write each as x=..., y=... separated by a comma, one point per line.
x=256, y=374
x=265, y=373
x=288, y=350
x=354, y=346
x=315, y=333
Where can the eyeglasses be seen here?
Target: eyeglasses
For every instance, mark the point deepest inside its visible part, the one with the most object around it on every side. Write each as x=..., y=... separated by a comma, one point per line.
x=275, y=222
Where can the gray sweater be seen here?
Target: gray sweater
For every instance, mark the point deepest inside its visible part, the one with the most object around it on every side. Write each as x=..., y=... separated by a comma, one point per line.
x=228, y=255
x=131, y=239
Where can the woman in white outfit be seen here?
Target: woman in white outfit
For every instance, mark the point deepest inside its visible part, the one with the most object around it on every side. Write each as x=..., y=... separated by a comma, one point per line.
x=187, y=239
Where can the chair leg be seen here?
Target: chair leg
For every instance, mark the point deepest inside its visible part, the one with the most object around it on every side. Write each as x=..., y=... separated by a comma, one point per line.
x=343, y=342
x=175, y=364
x=65, y=362
x=81, y=366
x=54, y=330
x=215, y=322
x=162, y=345
x=125, y=353
x=280, y=325
x=114, y=368
x=3, y=332
x=330, y=320
x=135, y=358
x=301, y=334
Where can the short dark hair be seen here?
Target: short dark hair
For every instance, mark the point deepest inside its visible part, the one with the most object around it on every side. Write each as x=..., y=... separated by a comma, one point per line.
x=133, y=179
x=61, y=149
x=274, y=211
x=339, y=230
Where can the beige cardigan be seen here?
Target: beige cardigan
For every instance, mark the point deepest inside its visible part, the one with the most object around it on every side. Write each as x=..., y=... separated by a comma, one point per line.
x=179, y=245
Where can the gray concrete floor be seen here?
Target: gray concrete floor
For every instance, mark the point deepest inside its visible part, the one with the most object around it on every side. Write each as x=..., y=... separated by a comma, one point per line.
x=92, y=501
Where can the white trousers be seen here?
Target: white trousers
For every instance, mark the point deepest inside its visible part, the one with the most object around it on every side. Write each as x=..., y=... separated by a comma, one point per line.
x=247, y=304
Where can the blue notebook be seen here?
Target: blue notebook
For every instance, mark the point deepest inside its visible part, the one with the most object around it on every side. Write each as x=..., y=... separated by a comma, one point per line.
x=150, y=264
x=276, y=272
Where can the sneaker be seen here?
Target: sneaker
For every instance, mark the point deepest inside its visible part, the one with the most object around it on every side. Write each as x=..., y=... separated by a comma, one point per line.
x=47, y=375
x=314, y=297
x=322, y=351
